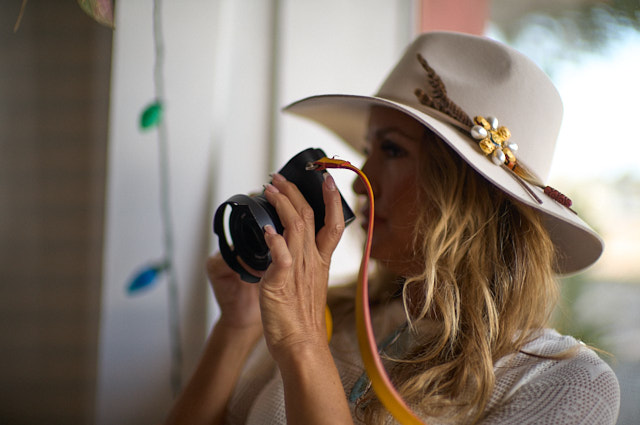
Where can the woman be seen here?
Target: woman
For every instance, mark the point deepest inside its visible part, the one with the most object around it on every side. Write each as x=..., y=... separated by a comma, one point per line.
x=468, y=246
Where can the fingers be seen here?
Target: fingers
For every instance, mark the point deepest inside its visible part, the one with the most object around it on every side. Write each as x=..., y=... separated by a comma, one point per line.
x=295, y=213
x=331, y=232
x=216, y=266
x=298, y=217
x=280, y=256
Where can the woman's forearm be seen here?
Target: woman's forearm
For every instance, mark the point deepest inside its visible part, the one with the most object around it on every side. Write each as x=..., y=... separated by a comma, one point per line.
x=313, y=391
x=204, y=399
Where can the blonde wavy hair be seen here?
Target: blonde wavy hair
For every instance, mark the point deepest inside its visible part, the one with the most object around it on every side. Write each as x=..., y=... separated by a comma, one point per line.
x=487, y=280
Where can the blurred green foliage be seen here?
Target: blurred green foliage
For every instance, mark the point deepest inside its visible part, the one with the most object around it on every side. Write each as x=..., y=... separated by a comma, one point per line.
x=566, y=316
x=582, y=26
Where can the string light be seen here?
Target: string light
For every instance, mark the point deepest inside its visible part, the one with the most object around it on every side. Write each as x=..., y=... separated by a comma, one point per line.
x=153, y=117
x=145, y=278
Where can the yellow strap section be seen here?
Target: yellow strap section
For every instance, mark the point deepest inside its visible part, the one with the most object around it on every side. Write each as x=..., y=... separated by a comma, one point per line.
x=388, y=396
x=380, y=382
x=328, y=320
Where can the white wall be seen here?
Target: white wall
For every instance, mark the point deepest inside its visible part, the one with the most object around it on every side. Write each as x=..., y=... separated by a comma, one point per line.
x=134, y=363
x=336, y=47
x=228, y=71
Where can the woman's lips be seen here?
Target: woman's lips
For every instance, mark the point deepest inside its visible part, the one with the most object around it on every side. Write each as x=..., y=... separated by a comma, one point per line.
x=377, y=220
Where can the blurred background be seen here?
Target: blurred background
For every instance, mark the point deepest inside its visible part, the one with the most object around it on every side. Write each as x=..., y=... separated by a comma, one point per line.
x=120, y=134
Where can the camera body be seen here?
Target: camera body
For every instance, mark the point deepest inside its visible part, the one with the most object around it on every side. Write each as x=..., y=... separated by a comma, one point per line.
x=242, y=218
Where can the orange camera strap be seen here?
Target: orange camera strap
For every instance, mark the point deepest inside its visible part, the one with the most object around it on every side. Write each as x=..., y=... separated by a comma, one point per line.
x=380, y=381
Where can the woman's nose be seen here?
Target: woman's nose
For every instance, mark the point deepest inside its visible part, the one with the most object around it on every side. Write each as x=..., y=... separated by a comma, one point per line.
x=359, y=186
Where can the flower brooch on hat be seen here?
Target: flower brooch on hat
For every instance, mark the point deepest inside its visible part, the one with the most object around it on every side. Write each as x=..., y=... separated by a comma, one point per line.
x=493, y=139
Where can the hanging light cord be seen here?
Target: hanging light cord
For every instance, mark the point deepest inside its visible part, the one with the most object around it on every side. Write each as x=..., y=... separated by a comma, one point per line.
x=380, y=381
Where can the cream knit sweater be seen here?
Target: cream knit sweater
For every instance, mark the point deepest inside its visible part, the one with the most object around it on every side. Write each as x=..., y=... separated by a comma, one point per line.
x=579, y=390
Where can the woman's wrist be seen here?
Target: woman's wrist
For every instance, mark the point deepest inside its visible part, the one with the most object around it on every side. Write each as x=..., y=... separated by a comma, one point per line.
x=302, y=352
x=236, y=332
x=313, y=389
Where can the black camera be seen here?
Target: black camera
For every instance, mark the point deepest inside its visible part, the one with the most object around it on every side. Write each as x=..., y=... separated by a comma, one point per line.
x=250, y=214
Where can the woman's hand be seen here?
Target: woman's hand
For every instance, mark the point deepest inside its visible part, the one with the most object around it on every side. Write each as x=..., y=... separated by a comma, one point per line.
x=293, y=295
x=293, y=289
x=238, y=300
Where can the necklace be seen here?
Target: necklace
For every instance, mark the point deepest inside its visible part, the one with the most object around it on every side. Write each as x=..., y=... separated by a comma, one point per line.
x=363, y=384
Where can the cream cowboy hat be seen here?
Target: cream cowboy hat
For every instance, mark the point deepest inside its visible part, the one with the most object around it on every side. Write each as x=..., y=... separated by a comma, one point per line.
x=444, y=80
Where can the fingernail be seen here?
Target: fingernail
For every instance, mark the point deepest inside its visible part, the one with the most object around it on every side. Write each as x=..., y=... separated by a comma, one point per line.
x=277, y=177
x=330, y=182
x=271, y=188
x=269, y=229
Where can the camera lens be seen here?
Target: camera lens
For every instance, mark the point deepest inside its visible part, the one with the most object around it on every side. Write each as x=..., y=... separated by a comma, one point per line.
x=244, y=245
x=249, y=240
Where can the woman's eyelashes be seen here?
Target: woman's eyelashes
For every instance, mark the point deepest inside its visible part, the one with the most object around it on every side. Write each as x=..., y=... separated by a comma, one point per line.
x=392, y=149
x=386, y=147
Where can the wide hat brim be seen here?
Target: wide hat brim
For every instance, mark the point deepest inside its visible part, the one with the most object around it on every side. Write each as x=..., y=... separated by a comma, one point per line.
x=577, y=245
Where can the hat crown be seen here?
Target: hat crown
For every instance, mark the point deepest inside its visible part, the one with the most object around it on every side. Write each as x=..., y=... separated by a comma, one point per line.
x=485, y=78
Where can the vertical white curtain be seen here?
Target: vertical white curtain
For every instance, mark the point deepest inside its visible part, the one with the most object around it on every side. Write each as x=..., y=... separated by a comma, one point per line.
x=229, y=67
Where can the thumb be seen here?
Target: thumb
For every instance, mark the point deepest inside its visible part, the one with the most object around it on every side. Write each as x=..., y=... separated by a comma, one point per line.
x=281, y=259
